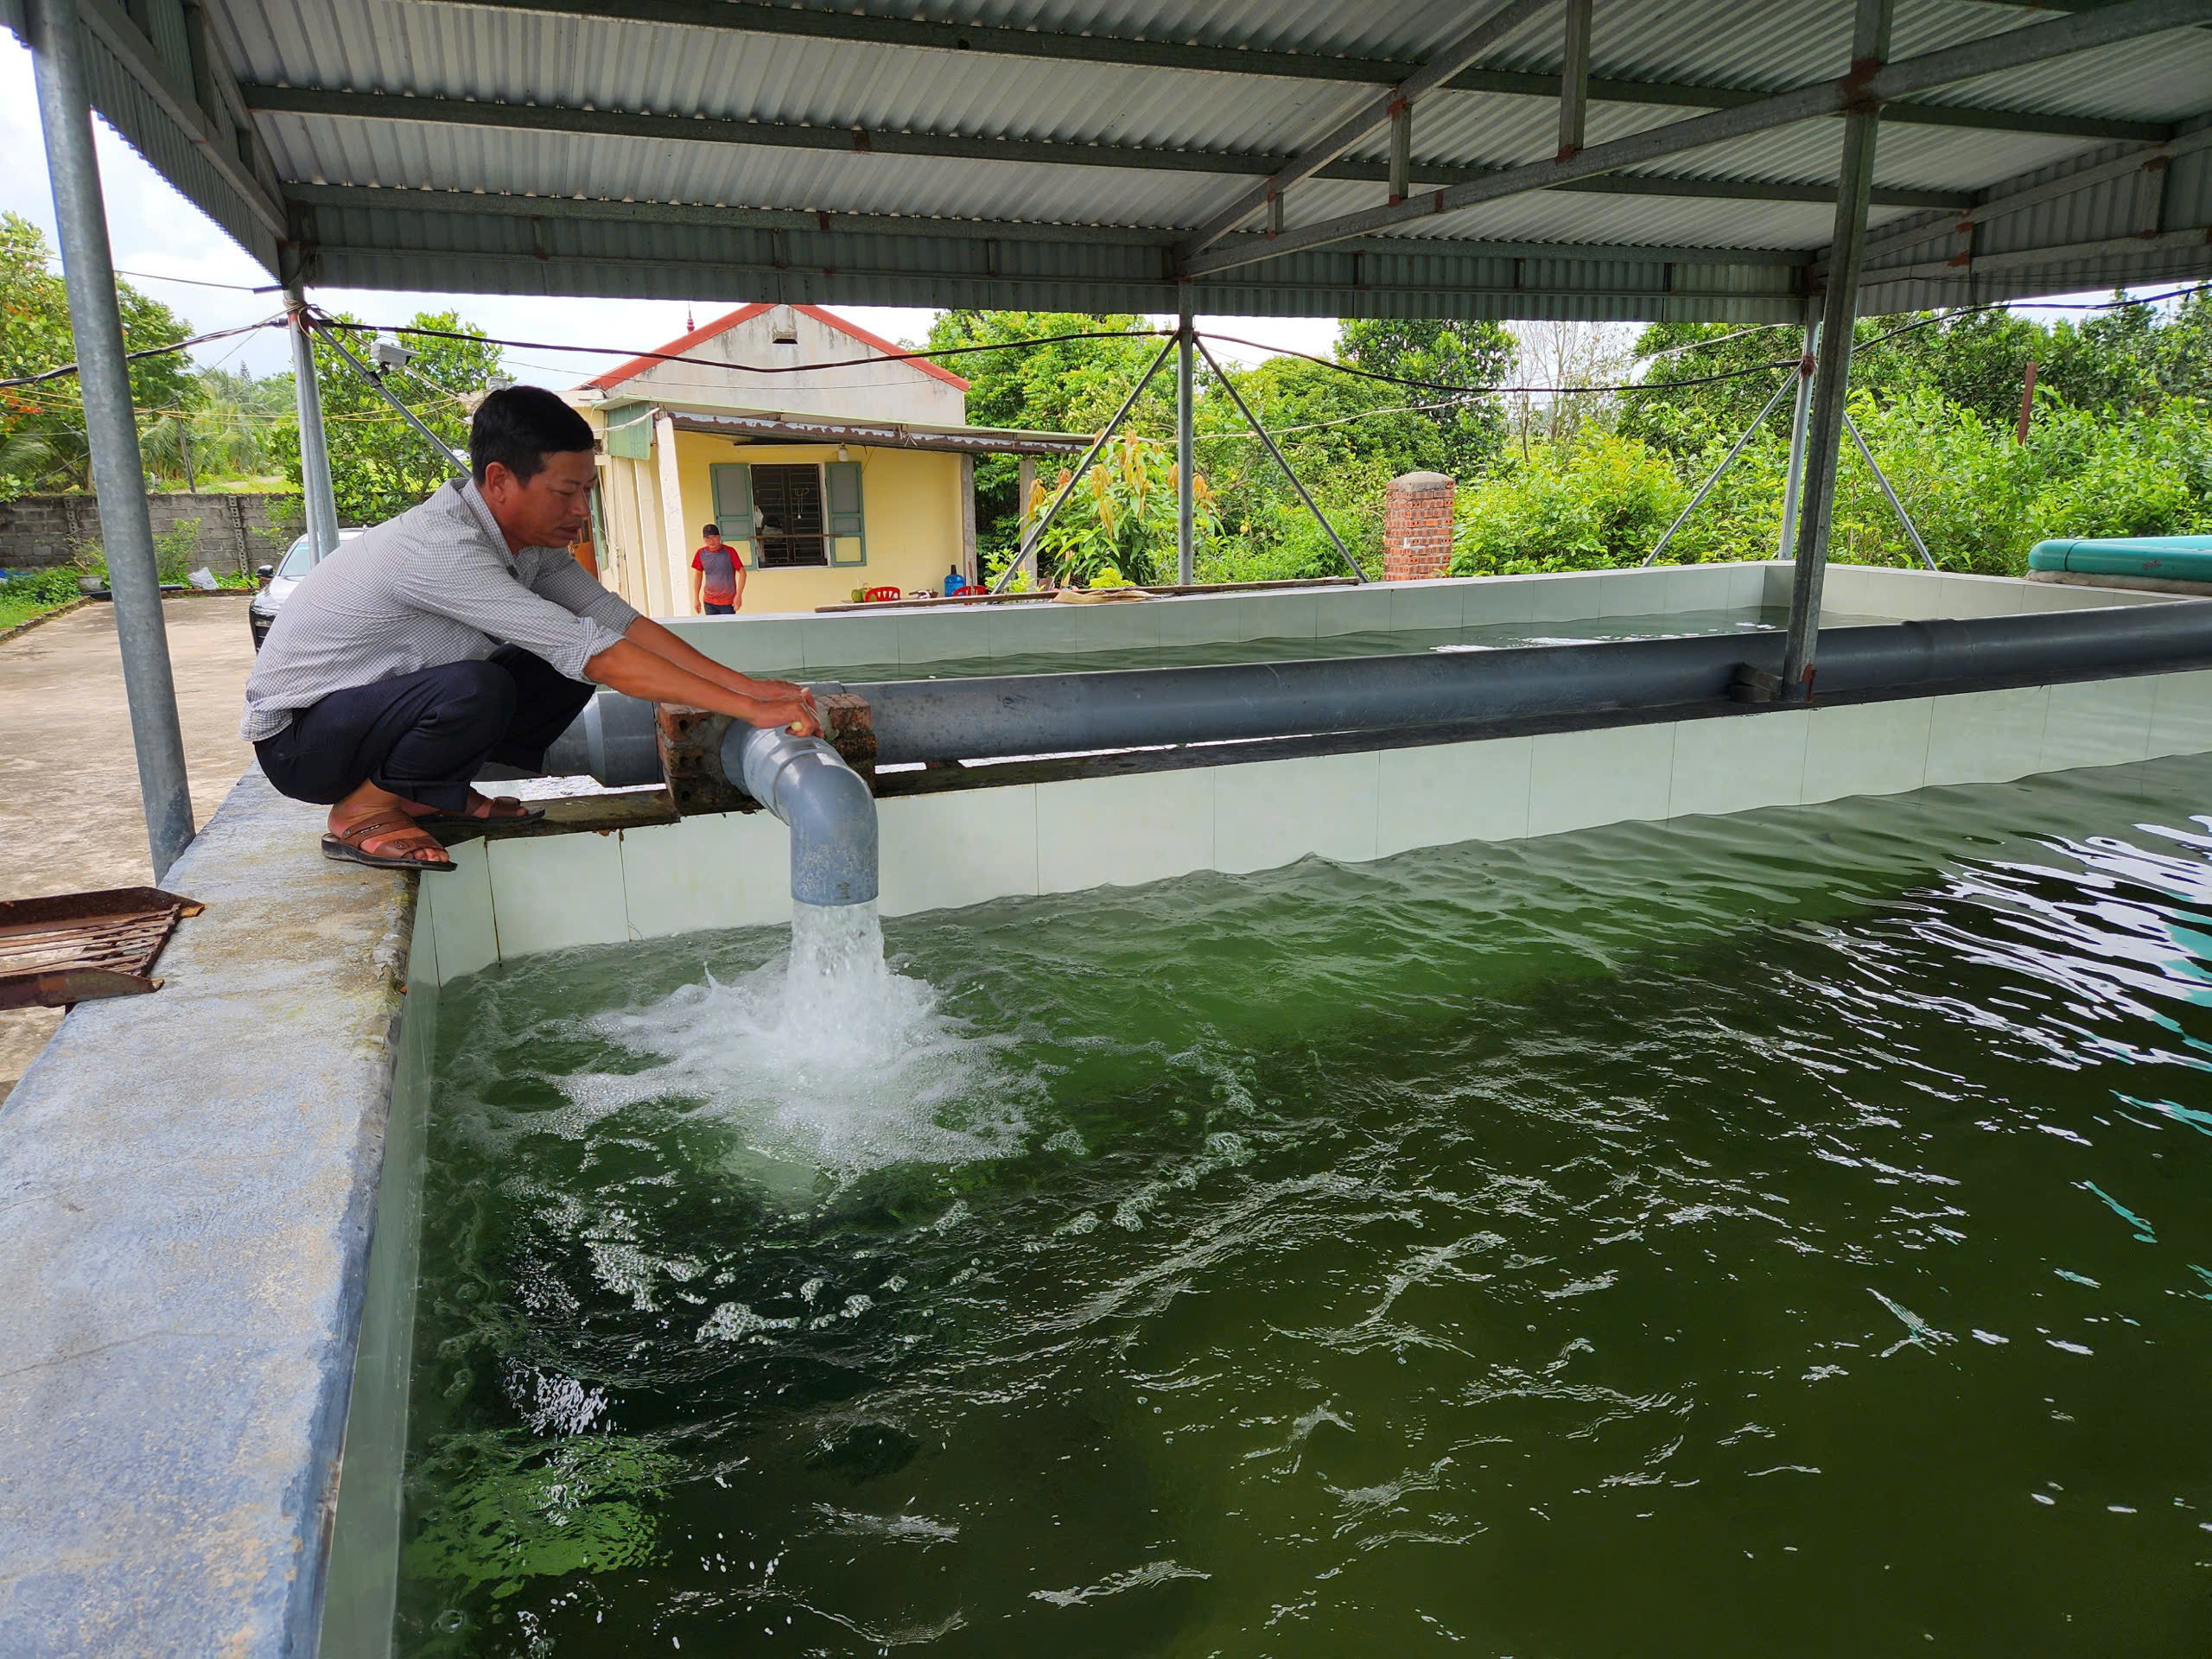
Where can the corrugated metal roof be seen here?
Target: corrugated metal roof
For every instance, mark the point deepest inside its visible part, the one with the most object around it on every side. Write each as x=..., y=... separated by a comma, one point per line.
x=796, y=87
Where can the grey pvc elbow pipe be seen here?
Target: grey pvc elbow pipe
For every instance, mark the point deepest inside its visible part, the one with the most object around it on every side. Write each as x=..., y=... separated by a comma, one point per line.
x=831, y=813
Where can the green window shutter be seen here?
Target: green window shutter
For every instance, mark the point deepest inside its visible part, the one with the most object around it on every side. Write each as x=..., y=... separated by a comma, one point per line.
x=732, y=483
x=630, y=431
x=847, y=535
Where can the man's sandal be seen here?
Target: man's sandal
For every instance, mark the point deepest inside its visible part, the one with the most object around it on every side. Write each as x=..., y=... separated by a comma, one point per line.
x=397, y=838
x=506, y=809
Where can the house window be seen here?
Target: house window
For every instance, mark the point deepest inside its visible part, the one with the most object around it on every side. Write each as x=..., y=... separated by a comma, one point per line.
x=787, y=506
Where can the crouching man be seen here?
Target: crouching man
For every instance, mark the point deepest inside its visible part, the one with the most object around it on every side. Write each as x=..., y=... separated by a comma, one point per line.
x=460, y=632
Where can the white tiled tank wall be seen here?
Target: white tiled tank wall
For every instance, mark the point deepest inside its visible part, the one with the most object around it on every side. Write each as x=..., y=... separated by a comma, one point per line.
x=943, y=851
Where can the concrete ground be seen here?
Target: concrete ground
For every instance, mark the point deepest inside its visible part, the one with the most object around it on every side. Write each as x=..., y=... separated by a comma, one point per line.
x=69, y=782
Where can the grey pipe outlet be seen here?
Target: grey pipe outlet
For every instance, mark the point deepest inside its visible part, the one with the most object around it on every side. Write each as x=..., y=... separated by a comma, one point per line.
x=831, y=813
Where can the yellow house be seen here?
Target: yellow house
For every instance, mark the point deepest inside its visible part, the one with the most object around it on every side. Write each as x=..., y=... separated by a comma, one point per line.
x=833, y=464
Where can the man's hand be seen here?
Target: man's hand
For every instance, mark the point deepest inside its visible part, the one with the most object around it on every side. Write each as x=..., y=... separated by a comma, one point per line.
x=773, y=690
x=795, y=714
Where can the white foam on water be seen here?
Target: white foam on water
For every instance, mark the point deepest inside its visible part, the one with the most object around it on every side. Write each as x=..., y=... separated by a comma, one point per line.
x=824, y=1057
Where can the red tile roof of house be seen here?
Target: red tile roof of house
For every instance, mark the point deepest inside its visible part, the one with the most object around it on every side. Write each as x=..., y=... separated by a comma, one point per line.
x=681, y=345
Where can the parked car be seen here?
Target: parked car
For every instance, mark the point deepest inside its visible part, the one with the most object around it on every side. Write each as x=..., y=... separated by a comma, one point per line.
x=277, y=581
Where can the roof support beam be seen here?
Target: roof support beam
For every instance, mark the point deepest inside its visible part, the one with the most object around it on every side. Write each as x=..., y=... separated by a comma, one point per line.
x=1376, y=113
x=807, y=22
x=558, y=209
x=2039, y=43
x=1574, y=80
x=541, y=117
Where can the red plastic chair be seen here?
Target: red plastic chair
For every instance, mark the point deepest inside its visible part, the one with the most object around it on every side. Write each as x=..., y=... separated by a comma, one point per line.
x=874, y=595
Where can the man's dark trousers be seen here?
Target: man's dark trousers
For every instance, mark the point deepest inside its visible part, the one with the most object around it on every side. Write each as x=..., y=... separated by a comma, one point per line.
x=424, y=735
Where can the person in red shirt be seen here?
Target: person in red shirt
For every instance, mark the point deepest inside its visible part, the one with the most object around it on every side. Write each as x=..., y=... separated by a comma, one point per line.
x=717, y=579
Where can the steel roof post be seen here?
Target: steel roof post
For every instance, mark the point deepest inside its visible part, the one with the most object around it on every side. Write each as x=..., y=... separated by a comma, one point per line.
x=1796, y=479
x=57, y=43
x=320, y=500
x=1870, y=45
x=1186, y=535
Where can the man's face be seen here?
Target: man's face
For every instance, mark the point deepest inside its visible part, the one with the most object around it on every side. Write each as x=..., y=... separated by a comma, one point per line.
x=552, y=509
x=715, y=542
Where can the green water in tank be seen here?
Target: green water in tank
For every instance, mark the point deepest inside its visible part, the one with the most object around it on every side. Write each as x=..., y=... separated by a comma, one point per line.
x=1786, y=1234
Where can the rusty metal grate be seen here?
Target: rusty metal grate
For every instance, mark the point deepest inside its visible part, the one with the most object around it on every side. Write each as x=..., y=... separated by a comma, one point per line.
x=76, y=946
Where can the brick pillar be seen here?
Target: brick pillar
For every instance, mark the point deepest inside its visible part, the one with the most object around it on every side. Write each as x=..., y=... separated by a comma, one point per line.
x=1416, y=527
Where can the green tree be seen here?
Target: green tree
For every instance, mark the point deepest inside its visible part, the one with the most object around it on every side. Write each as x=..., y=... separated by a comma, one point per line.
x=1451, y=353
x=379, y=464
x=43, y=426
x=1070, y=386
x=1345, y=438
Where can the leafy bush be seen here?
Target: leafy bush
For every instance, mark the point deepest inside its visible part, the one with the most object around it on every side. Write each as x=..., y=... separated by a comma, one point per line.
x=1601, y=501
x=1119, y=525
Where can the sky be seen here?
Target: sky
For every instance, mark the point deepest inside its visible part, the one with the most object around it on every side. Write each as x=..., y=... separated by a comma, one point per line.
x=163, y=244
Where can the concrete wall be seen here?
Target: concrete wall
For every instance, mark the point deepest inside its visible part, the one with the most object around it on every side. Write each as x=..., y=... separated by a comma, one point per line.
x=517, y=897
x=237, y=532
x=191, y=1184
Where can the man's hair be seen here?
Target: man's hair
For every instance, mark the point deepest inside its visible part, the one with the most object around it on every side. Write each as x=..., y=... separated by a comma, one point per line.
x=710, y=530
x=518, y=427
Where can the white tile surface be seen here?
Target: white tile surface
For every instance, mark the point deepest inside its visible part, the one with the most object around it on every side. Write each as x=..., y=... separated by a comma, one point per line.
x=934, y=636
x=1746, y=586
x=1987, y=737
x=832, y=642
x=1274, y=812
x=1130, y=626
x=940, y=852
x=1696, y=587
x=1364, y=609
x=1488, y=602
x=1278, y=616
x=1447, y=792
x=1735, y=762
x=1186, y=620
x=423, y=968
x=1570, y=598
x=461, y=916
x=2181, y=716
x=745, y=644
x=1871, y=748
x=726, y=869
x=1982, y=596
x=2099, y=723
x=550, y=892
x=1425, y=604
x=1122, y=831
x=1019, y=630
x=1636, y=593
x=1576, y=779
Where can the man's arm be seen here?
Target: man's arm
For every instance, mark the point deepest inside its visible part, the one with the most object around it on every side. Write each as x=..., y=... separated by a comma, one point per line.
x=650, y=635
x=632, y=668
x=696, y=580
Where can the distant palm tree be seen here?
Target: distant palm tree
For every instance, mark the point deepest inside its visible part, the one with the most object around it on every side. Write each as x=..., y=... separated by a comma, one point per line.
x=27, y=458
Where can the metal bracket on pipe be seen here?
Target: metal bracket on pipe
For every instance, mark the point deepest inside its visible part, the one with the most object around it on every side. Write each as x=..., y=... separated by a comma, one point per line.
x=1045, y=520
x=385, y=392
x=1896, y=506
x=1727, y=461
x=1261, y=432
